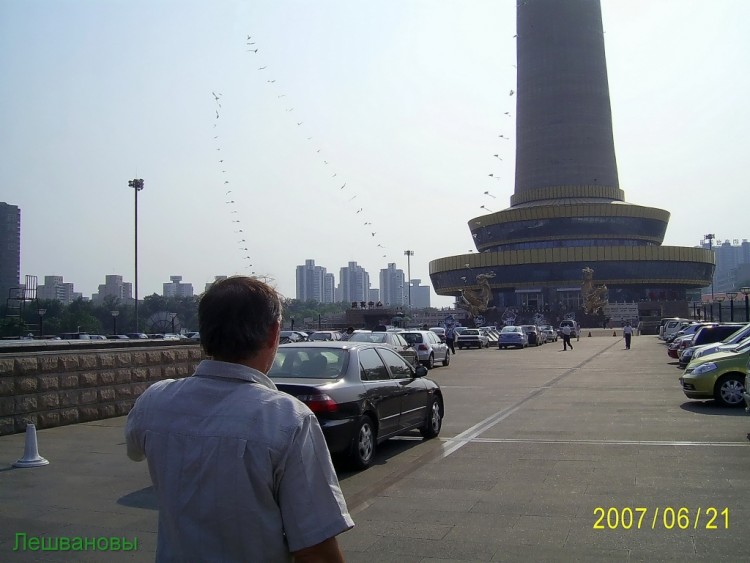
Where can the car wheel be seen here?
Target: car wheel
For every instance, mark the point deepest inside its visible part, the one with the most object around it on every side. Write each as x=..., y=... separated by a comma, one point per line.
x=434, y=421
x=363, y=447
x=728, y=390
x=447, y=359
x=431, y=362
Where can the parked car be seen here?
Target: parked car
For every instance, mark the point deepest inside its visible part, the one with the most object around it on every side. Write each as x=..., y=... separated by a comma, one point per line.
x=287, y=336
x=533, y=335
x=472, y=338
x=171, y=336
x=194, y=336
x=708, y=335
x=682, y=329
x=575, y=330
x=440, y=331
x=75, y=336
x=393, y=340
x=325, y=335
x=117, y=337
x=512, y=336
x=704, y=349
x=429, y=347
x=671, y=326
x=550, y=332
x=719, y=376
x=137, y=335
x=362, y=394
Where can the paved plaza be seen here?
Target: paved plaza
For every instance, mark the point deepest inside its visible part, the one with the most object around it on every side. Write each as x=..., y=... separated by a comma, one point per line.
x=592, y=454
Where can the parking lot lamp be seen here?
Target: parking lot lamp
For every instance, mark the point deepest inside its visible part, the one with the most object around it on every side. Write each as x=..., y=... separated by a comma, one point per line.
x=710, y=238
x=719, y=300
x=137, y=185
x=408, y=254
x=41, y=313
x=114, y=321
x=172, y=317
x=731, y=295
x=746, y=291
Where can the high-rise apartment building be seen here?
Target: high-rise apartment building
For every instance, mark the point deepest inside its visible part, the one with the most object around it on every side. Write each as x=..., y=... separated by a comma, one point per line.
x=113, y=286
x=216, y=279
x=55, y=288
x=314, y=283
x=175, y=288
x=420, y=295
x=393, y=288
x=10, y=248
x=354, y=283
x=730, y=256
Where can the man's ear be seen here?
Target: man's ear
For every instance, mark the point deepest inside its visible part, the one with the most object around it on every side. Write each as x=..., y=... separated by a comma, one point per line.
x=274, y=335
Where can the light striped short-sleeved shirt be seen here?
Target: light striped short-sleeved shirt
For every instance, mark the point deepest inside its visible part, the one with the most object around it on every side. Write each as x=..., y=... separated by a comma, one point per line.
x=241, y=470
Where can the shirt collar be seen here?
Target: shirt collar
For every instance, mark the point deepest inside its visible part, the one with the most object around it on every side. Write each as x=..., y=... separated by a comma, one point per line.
x=229, y=370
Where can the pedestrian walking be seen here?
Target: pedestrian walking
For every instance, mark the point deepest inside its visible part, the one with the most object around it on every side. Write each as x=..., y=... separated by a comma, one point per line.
x=627, y=332
x=566, y=337
x=450, y=338
x=241, y=470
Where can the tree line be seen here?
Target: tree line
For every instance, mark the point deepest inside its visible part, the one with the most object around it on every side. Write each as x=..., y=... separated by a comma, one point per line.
x=153, y=316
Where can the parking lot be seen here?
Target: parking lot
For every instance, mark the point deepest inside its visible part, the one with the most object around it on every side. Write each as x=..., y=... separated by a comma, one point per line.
x=591, y=454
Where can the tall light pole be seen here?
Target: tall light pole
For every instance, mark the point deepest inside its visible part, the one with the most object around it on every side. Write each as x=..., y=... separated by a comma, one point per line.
x=137, y=185
x=710, y=238
x=719, y=300
x=746, y=292
x=731, y=295
x=41, y=313
x=408, y=254
x=114, y=321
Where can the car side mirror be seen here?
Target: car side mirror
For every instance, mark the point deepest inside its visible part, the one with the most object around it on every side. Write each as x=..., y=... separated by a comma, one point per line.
x=420, y=371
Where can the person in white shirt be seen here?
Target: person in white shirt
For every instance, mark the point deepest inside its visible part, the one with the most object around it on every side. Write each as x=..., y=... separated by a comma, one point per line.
x=627, y=332
x=566, y=337
x=241, y=470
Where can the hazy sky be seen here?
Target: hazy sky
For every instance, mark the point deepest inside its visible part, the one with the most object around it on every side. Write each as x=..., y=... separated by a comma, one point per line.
x=403, y=101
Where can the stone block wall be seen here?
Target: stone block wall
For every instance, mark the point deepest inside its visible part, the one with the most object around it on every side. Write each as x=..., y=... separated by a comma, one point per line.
x=57, y=388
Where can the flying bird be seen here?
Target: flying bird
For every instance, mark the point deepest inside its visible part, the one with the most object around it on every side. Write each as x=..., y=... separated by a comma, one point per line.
x=270, y=81
x=373, y=234
x=300, y=122
x=252, y=50
x=221, y=161
x=334, y=175
x=265, y=67
x=358, y=211
x=351, y=198
x=486, y=208
x=489, y=194
x=511, y=93
x=226, y=181
x=216, y=96
x=282, y=96
x=497, y=156
x=342, y=187
x=217, y=114
x=249, y=38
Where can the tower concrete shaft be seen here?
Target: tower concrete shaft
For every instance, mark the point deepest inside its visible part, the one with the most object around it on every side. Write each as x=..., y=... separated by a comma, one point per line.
x=563, y=114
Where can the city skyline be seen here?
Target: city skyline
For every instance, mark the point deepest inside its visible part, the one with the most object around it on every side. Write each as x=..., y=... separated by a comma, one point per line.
x=407, y=103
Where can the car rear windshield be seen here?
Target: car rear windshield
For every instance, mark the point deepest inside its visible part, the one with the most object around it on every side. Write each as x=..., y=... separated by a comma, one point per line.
x=510, y=329
x=371, y=337
x=412, y=337
x=310, y=363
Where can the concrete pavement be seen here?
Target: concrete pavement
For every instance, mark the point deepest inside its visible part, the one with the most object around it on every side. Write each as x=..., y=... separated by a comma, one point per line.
x=538, y=447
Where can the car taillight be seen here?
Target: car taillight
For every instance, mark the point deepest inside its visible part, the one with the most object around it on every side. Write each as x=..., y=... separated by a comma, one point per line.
x=423, y=347
x=319, y=403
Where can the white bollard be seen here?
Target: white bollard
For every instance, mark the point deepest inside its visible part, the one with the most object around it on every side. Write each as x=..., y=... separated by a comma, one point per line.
x=31, y=457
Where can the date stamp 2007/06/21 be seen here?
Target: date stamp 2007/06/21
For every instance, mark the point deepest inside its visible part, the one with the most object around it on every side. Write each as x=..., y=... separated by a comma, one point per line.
x=667, y=518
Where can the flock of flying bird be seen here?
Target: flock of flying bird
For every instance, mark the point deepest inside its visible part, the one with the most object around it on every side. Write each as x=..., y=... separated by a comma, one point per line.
x=346, y=191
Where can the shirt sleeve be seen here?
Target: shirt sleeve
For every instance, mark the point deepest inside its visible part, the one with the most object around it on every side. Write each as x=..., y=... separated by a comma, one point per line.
x=312, y=505
x=134, y=433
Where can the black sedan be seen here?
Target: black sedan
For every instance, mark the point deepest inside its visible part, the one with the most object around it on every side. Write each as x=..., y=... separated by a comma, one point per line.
x=362, y=394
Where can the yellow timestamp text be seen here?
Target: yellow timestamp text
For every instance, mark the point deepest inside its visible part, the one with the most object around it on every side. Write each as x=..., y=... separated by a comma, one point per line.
x=667, y=518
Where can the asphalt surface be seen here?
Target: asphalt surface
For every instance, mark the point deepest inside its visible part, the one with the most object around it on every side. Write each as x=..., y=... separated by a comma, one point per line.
x=592, y=454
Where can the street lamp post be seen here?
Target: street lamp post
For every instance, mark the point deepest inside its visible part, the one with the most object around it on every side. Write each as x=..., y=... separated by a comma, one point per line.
x=137, y=185
x=746, y=291
x=114, y=321
x=41, y=313
x=719, y=299
x=172, y=317
x=409, y=254
x=710, y=238
x=731, y=295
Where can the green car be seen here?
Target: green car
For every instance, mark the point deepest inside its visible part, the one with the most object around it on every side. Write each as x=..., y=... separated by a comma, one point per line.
x=719, y=376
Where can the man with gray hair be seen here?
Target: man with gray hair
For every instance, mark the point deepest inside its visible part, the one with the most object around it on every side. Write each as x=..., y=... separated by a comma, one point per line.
x=241, y=470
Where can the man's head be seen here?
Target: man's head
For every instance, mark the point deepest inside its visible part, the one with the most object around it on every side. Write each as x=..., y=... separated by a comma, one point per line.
x=350, y=330
x=240, y=317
